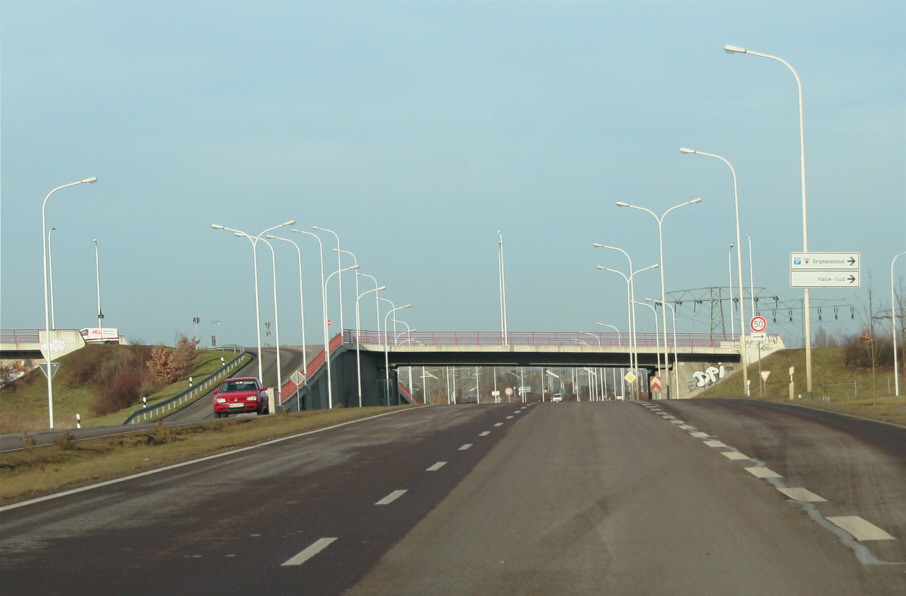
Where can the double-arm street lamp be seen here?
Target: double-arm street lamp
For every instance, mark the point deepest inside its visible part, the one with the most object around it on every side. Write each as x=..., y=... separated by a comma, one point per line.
x=806, y=305
x=254, y=242
x=630, y=298
x=660, y=242
x=48, y=346
x=742, y=309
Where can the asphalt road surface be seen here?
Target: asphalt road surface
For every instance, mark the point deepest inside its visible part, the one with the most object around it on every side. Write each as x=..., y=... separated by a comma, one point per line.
x=691, y=497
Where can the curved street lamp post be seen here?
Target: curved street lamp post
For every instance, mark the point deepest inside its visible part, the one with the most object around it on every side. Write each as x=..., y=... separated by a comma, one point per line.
x=742, y=308
x=806, y=305
x=48, y=347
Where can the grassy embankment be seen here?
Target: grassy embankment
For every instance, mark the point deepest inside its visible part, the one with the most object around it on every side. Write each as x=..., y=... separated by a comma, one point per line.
x=23, y=405
x=843, y=390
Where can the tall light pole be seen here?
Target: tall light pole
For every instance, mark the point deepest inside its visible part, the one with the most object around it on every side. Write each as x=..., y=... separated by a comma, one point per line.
x=633, y=338
x=339, y=267
x=675, y=353
x=893, y=319
x=358, y=339
x=806, y=301
x=742, y=309
x=377, y=300
x=630, y=291
x=97, y=269
x=254, y=243
x=730, y=278
x=48, y=355
x=657, y=343
x=355, y=261
x=387, y=347
x=323, y=302
x=279, y=397
x=502, y=275
x=339, y=273
x=619, y=335
x=53, y=320
x=301, y=306
x=751, y=276
x=660, y=242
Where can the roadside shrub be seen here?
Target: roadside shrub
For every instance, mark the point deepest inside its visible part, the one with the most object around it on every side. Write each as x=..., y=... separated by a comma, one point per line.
x=171, y=364
x=65, y=441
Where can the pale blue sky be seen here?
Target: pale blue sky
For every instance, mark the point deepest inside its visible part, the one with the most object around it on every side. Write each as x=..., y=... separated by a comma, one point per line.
x=416, y=130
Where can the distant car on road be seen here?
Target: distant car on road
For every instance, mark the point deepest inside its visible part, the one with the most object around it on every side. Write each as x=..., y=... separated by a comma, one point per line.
x=557, y=397
x=238, y=395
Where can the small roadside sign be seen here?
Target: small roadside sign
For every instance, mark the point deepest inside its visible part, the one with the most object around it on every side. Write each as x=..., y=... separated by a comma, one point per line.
x=764, y=375
x=53, y=368
x=825, y=279
x=758, y=324
x=630, y=377
x=508, y=391
x=825, y=261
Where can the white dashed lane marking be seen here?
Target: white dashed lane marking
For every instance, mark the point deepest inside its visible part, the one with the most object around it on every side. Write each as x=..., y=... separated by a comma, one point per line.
x=802, y=495
x=763, y=472
x=309, y=552
x=860, y=529
x=734, y=455
x=391, y=497
x=715, y=443
x=436, y=466
x=466, y=446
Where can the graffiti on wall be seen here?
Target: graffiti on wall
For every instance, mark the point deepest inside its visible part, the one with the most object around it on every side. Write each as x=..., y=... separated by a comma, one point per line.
x=703, y=378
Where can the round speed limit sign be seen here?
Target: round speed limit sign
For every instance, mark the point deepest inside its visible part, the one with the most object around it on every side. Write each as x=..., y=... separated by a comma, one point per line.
x=759, y=324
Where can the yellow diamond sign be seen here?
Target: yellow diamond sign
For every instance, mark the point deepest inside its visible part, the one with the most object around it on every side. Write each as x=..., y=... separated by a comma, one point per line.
x=630, y=377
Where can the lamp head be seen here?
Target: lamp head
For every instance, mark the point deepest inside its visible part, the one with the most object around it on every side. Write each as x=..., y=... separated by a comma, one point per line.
x=91, y=180
x=734, y=49
x=288, y=223
x=217, y=226
x=622, y=204
x=602, y=267
x=687, y=151
x=271, y=236
x=598, y=245
x=695, y=200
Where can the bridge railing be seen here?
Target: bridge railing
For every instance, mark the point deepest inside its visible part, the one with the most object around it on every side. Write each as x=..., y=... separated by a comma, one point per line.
x=19, y=336
x=537, y=338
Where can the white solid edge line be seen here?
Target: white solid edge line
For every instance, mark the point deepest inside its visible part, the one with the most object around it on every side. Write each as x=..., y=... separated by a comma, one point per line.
x=82, y=489
x=309, y=552
x=391, y=497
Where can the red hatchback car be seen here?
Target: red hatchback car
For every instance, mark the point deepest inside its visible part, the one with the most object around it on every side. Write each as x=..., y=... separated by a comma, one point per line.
x=242, y=394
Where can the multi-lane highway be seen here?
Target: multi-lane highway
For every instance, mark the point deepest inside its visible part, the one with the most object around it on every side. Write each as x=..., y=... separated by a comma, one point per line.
x=691, y=497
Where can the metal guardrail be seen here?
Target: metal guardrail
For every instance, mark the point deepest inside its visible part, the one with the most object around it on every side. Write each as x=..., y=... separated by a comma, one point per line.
x=168, y=406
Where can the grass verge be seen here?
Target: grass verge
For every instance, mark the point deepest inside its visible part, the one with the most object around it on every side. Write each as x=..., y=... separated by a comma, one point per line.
x=68, y=463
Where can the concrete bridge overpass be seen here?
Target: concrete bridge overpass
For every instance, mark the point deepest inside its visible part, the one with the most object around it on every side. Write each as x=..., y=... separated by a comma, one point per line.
x=483, y=348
